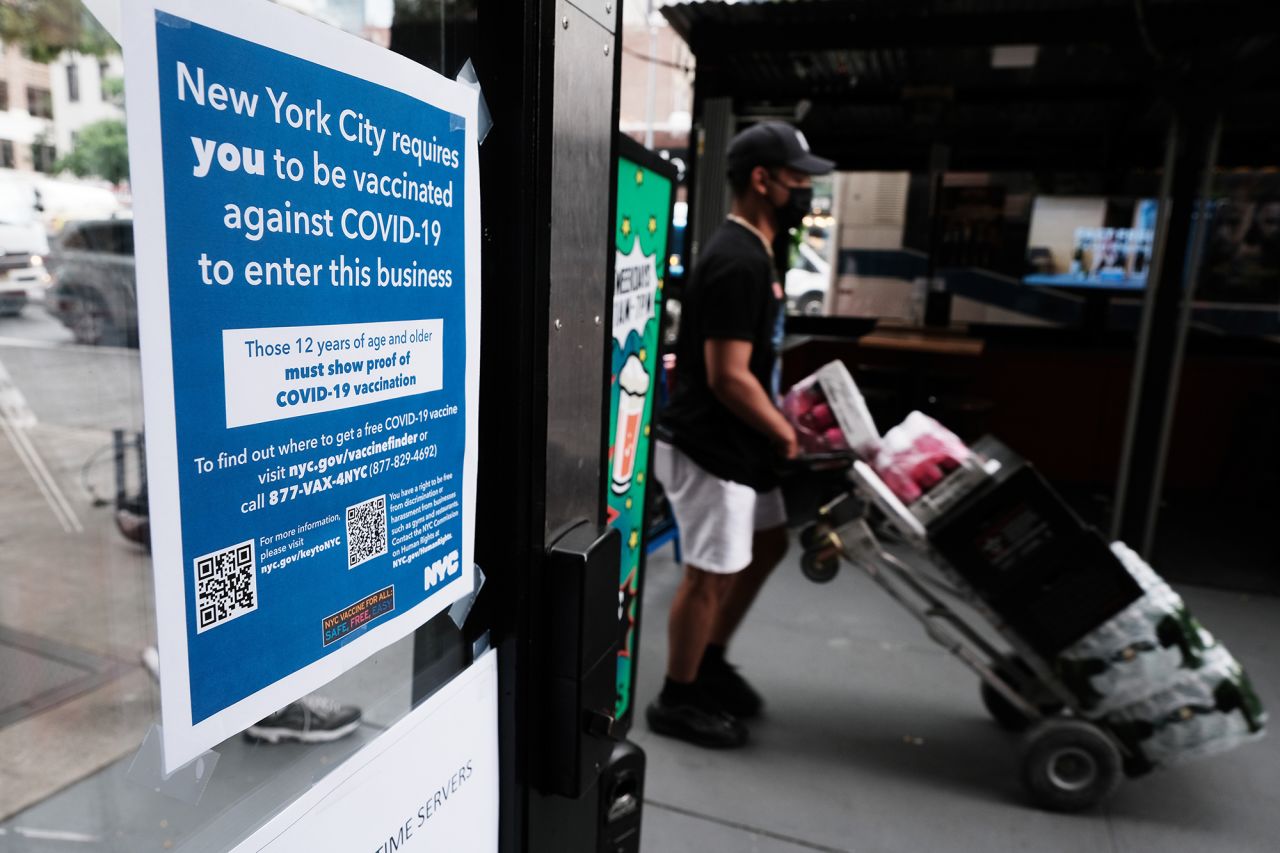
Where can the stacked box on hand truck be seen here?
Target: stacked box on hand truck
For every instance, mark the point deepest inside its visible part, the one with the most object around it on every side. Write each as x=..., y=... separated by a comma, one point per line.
x=1117, y=635
x=1094, y=629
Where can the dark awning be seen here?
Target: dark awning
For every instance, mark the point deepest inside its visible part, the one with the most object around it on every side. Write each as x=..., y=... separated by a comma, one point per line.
x=875, y=83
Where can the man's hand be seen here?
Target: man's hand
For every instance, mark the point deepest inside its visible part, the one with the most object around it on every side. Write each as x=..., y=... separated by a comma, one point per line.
x=730, y=379
x=788, y=446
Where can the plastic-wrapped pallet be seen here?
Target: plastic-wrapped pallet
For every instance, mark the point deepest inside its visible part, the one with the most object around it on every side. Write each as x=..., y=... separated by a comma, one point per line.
x=1204, y=711
x=1160, y=680
x=1140, y=649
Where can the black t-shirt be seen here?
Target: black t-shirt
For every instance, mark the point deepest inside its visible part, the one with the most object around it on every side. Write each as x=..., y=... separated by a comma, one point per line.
x=732, y=295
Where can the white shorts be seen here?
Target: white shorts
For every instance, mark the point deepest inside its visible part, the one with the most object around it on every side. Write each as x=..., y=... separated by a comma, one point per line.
x=717, y=518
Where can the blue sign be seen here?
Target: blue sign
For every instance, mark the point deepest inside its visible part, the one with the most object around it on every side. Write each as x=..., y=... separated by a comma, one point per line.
x=315, y=239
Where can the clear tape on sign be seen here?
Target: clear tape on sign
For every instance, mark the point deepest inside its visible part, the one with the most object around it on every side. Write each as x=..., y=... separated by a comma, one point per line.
x=480, y=646
x=186, y=784
x=484, y=119
x=461, y=608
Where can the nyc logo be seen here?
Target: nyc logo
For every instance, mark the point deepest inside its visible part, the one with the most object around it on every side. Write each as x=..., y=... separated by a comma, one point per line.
x=442, y=568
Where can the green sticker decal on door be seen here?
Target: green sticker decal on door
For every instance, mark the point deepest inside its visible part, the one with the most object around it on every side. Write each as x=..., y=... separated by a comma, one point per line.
x=643, y=224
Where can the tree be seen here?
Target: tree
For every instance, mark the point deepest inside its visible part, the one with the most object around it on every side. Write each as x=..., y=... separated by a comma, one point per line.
x=100, y=149
x=45, y=28
x=113, y=91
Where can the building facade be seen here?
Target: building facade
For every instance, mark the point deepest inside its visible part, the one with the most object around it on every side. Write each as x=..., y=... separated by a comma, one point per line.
x=26, y=113
x=83, y=93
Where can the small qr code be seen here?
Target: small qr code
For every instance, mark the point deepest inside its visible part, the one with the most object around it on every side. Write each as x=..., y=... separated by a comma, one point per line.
x=226, y=585
x=366, y=531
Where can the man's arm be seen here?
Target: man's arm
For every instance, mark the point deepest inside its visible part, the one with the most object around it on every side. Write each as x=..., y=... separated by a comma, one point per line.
x=730, y=378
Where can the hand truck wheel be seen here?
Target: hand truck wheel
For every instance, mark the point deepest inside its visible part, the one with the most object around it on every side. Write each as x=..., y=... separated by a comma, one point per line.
x=820, y=566
x=1069, y=765
x=814, y=535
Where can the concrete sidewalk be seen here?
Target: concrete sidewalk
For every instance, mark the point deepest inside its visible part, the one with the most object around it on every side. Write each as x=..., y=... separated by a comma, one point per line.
x=76, y=607
x=875, y=741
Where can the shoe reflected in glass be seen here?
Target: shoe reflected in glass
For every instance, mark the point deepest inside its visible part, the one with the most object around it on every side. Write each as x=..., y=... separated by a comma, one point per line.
x=312, y=719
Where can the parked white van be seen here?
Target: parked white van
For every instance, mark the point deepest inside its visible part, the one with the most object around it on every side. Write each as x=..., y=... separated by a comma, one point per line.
x=23, y=245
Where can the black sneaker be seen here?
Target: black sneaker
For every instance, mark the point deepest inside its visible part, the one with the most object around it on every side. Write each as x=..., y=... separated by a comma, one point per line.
x=720, y=680
x=312, y=719
x=136, y=527
x=695, y=724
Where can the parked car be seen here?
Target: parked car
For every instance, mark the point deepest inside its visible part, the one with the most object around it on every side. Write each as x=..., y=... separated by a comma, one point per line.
x=807, y=281
x=94, y=291
x=806, y=285
x=23, y=245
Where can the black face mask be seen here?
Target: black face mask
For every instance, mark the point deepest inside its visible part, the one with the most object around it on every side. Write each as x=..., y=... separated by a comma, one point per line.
x=791, y=213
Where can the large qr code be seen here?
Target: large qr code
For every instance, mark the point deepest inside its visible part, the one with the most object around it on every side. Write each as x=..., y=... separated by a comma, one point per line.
x=226, y=586
x=366, y=531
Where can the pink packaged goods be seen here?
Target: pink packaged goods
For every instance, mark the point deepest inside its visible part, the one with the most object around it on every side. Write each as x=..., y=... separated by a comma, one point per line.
x=828, y=412
x=807, y=410
x=916, y=455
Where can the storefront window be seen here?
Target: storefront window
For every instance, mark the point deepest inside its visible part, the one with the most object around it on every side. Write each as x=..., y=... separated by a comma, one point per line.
x=79, y=689
x=1007, y=249
x=1221, y=472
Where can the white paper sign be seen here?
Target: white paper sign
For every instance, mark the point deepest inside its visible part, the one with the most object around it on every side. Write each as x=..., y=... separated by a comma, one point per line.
x=429, y=783
x=306, y=217
x=287, y=371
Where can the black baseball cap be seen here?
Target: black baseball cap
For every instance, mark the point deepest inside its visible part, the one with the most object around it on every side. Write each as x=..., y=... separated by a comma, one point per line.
x=775, y=143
